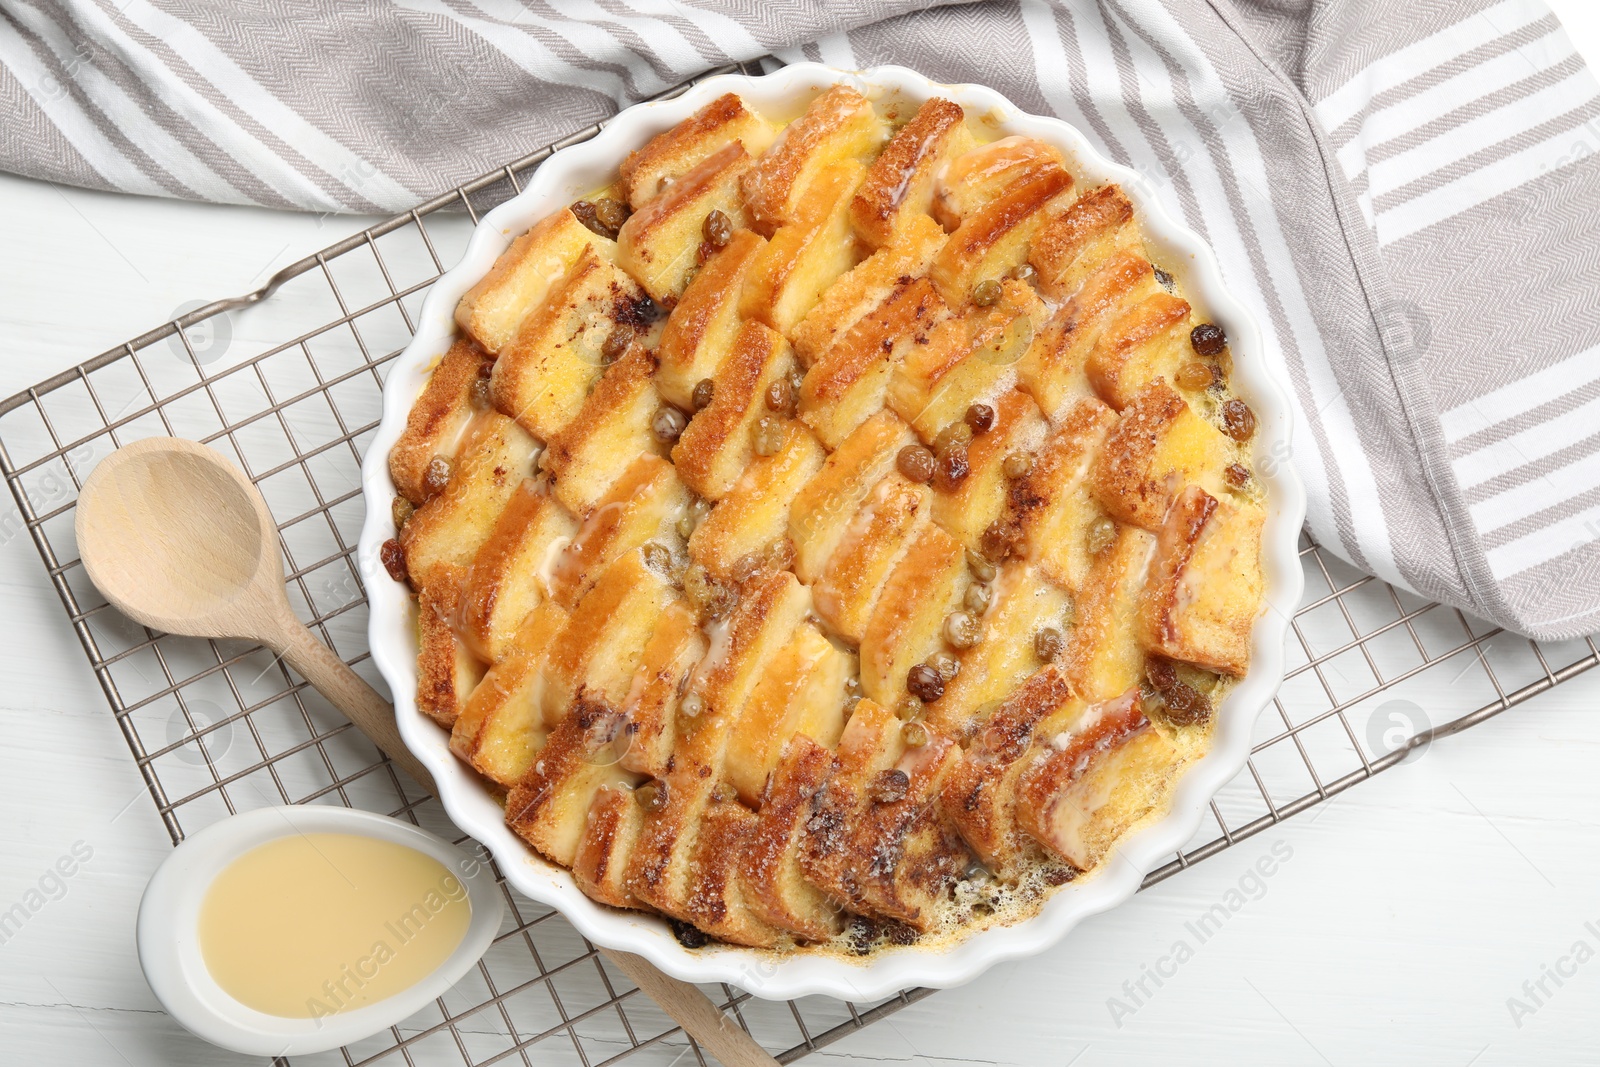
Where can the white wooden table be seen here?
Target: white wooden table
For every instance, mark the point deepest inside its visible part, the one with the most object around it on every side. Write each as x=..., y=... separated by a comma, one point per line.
x=1408, y=913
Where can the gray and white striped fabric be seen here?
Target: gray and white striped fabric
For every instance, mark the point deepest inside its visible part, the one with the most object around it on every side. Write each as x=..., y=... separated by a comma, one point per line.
x=1405, y=194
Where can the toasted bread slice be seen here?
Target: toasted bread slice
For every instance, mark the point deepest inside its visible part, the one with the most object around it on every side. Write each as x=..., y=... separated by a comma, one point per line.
x=898, y=189
x=967, y=509
x=669, y=156
x=662, y=870
x=871, y=744
x=839, y=125
x=805, y=255
x=674, y=650
x=502, y=726
x=975, y=179
x=700, y=331
x=523, y=276
x=1073, y=244
x=873, y=852
x=868, y=551
x=979, y=798
x=717, y=445
x=612, y=430
x=775, y=883
x=1052, y=506
x=717, y=903
x=865, y=287
x=849, y=382
x=1100, y=780
x=509, y=575
x=1157, y=447
x=995, y=238
x=1005, y=654
x=1204, y=590
x=604, y=641
x=600, y=864
x=447, y=671
x=1055, y=368
x=803, y=693
x=927, y=584
x=829, y=502
x=1102, y=656
x=967, y=359
x=660, y=242
x=643, y=505
x=450, y=528
x=549, y=365
x=1146, y=342
x=438, y=420
x=549, y=807
x=755, y=512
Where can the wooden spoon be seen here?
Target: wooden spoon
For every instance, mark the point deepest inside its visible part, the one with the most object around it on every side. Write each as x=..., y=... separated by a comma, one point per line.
x=176, y=538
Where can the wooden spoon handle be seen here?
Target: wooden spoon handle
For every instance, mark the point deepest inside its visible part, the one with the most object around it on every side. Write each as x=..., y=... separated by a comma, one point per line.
x=374, y=716
x=350, y=693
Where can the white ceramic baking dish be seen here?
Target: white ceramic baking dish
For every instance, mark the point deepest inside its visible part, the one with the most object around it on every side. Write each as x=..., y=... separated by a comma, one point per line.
x=575, y=172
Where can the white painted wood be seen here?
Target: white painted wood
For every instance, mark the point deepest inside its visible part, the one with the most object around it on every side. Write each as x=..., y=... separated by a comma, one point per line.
x=1410, y=910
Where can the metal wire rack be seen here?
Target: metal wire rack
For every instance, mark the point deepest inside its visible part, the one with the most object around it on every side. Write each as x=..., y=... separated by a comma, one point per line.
x=220, y=726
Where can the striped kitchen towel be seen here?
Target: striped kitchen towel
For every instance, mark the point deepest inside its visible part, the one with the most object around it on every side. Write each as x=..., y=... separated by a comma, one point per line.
x=1405, y=194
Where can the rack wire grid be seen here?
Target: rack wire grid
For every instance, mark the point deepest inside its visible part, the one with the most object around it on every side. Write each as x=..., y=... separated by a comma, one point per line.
x=219, y=726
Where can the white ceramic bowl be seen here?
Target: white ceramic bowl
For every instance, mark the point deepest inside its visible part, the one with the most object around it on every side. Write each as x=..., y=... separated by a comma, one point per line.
x=169, y=941
x=575, y=172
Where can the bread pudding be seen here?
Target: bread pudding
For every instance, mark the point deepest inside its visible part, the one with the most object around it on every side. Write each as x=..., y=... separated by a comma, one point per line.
x=830, y=534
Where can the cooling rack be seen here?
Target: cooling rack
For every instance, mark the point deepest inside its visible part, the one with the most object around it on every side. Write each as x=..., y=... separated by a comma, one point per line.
x=221, y=726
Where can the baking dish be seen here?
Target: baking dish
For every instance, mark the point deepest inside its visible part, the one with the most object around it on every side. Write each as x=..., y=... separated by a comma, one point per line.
x=575, y=172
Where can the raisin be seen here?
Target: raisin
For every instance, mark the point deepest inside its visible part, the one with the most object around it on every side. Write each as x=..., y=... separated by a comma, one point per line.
x=1195, y=375
x=1238, y=421
x=1207, y=339
x=688, y=935
x=703, y=390
x=394, y=559
x=953, y=467
x=924, y=683
x=718, y=228
x=668, y=423
x=916, y=463
x=1018, y=464
x=980, y=417
x=986, y=293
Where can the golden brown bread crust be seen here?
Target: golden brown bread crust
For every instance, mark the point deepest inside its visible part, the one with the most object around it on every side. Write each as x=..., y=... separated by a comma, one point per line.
x=899, y=185
x=608, y=839
x=703, y=325
x=862, y=513
x=839, y=125
x=1074, y=241
x=775, y=882
x=670, y=155
x=716, y=446
x=446, y=671
x=437, y=419
x=659, y=242
x=1190, y=610
x=520, y=279
x=1144, y=343
x=1158, y=446
x=1095, y=785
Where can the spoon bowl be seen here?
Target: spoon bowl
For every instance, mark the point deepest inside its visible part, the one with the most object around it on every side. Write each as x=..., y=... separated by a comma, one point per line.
x=174, y=535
